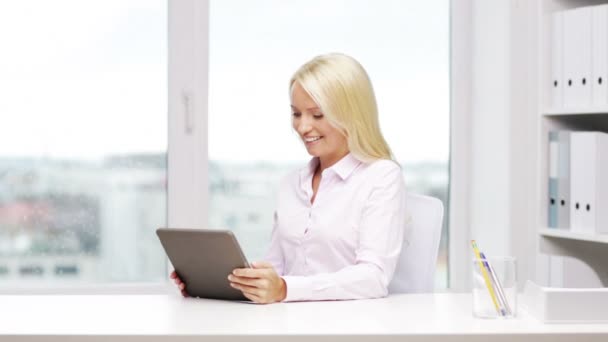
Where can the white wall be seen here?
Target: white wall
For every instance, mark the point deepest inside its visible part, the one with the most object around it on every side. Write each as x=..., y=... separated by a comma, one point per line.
x=500, y=190
x=490, y=126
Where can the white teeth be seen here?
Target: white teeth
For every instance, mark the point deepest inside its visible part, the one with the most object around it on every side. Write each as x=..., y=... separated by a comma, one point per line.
x=312, y=139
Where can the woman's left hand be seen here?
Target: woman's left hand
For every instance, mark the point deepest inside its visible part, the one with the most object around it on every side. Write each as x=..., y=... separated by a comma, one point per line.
x=261, y=283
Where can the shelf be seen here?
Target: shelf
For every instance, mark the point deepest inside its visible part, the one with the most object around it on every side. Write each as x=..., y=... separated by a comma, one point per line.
x=591, y=249
x=575, y=111
x=566, y=234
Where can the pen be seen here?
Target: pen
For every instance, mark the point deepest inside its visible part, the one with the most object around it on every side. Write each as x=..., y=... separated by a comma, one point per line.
x=486, y=277
x=502, y=299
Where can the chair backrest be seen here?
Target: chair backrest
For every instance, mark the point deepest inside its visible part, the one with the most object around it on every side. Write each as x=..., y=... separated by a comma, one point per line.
x=415, y=270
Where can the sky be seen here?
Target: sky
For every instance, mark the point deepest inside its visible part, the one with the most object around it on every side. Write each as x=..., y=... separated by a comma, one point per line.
x=83, y=79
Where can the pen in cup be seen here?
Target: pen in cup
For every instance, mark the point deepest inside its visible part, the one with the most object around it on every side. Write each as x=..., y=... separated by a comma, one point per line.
x=502, y=299
x=487, y=279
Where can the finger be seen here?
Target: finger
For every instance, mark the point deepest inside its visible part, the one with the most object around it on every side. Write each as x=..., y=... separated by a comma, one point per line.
x=246, y=289
x=177, y=281
x=253, y=298
x=184, y=293
x=261, y=264
x=248, y=272
x=255, y=282
x=182, y=286
x=173, y=275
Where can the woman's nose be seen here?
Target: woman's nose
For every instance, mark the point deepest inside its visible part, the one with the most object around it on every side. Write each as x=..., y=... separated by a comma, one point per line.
x=304, y=125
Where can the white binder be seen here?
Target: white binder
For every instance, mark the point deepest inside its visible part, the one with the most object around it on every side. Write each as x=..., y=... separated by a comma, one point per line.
x=577, y=57
x=563, y=180
x=589, y=182
x=599, y=55
x=553, y=200
x=557, y=56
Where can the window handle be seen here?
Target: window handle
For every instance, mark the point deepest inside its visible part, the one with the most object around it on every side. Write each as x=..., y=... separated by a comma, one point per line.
x=188, y=104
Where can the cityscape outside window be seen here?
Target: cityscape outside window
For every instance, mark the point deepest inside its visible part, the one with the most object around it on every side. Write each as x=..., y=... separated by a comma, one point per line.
x=83, y=141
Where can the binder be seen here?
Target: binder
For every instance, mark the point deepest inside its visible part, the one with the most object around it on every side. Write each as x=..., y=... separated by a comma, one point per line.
x=559, y=170
x=563, y=180
x=553, y=179
x=589, y=182
x=599, y=55
x=581, y=185
x=577, y=57
x=557, y=56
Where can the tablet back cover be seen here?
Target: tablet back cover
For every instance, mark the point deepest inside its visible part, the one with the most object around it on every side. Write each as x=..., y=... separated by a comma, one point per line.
x=203, y=259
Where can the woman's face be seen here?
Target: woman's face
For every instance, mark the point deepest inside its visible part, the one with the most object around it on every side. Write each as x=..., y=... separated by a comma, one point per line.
x=320, y=138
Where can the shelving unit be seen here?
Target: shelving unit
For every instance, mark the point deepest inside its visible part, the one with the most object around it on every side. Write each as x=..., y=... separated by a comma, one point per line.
x=591, y=249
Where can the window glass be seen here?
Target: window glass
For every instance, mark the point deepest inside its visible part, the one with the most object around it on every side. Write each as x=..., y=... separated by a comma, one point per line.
x=82, y=141
x=255, y=46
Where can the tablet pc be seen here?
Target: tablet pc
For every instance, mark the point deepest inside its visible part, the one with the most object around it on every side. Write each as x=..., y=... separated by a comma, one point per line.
x=203, y=259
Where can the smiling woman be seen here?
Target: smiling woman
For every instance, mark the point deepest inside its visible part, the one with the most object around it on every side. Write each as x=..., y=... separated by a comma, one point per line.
x=340, y=221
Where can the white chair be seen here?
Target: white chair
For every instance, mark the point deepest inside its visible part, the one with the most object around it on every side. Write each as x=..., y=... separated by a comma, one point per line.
x=415, y=270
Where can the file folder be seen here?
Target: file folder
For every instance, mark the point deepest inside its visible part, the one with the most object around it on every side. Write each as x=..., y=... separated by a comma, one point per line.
x=559, y=180
x=589, y=182
x=557, y=55
x=563, y=180
x=577, y=57
x=553, y=179
x=599, y=55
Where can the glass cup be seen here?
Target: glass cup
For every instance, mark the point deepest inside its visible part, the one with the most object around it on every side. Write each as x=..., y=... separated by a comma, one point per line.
x=494, y=287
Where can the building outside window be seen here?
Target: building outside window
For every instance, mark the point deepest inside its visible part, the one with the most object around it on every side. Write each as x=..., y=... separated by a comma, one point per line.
x=83, y=141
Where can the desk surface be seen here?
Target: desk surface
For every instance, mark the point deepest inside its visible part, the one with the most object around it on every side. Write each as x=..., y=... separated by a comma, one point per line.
x=169, y=317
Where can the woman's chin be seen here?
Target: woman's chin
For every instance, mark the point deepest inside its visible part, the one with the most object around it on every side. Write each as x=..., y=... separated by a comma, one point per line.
x=313, y=152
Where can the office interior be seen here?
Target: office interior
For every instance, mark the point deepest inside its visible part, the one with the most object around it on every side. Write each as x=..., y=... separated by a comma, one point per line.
x=497, y=113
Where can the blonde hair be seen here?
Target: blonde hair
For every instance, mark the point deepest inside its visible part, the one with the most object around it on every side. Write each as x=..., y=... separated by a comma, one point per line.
x=343, y=91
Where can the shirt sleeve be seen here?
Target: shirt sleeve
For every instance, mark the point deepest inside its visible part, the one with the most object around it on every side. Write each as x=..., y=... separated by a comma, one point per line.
x=381, y=237
x=274, y=255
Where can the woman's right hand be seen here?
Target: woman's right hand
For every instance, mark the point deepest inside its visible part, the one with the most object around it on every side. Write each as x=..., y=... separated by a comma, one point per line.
x=180, y=284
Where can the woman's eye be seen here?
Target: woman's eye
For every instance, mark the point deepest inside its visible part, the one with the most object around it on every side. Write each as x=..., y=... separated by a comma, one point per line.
x=318, y=116
x=296, y=115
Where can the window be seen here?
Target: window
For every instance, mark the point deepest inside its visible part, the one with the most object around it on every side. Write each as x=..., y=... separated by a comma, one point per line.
x=83, y=153
x=83, y=141
x=255, y=46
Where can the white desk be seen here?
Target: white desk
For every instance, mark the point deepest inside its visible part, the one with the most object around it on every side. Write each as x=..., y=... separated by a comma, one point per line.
x=414, y=317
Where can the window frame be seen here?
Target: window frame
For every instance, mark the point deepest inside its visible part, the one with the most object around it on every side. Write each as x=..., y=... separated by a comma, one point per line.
x=461, y=58
x=187, y=113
